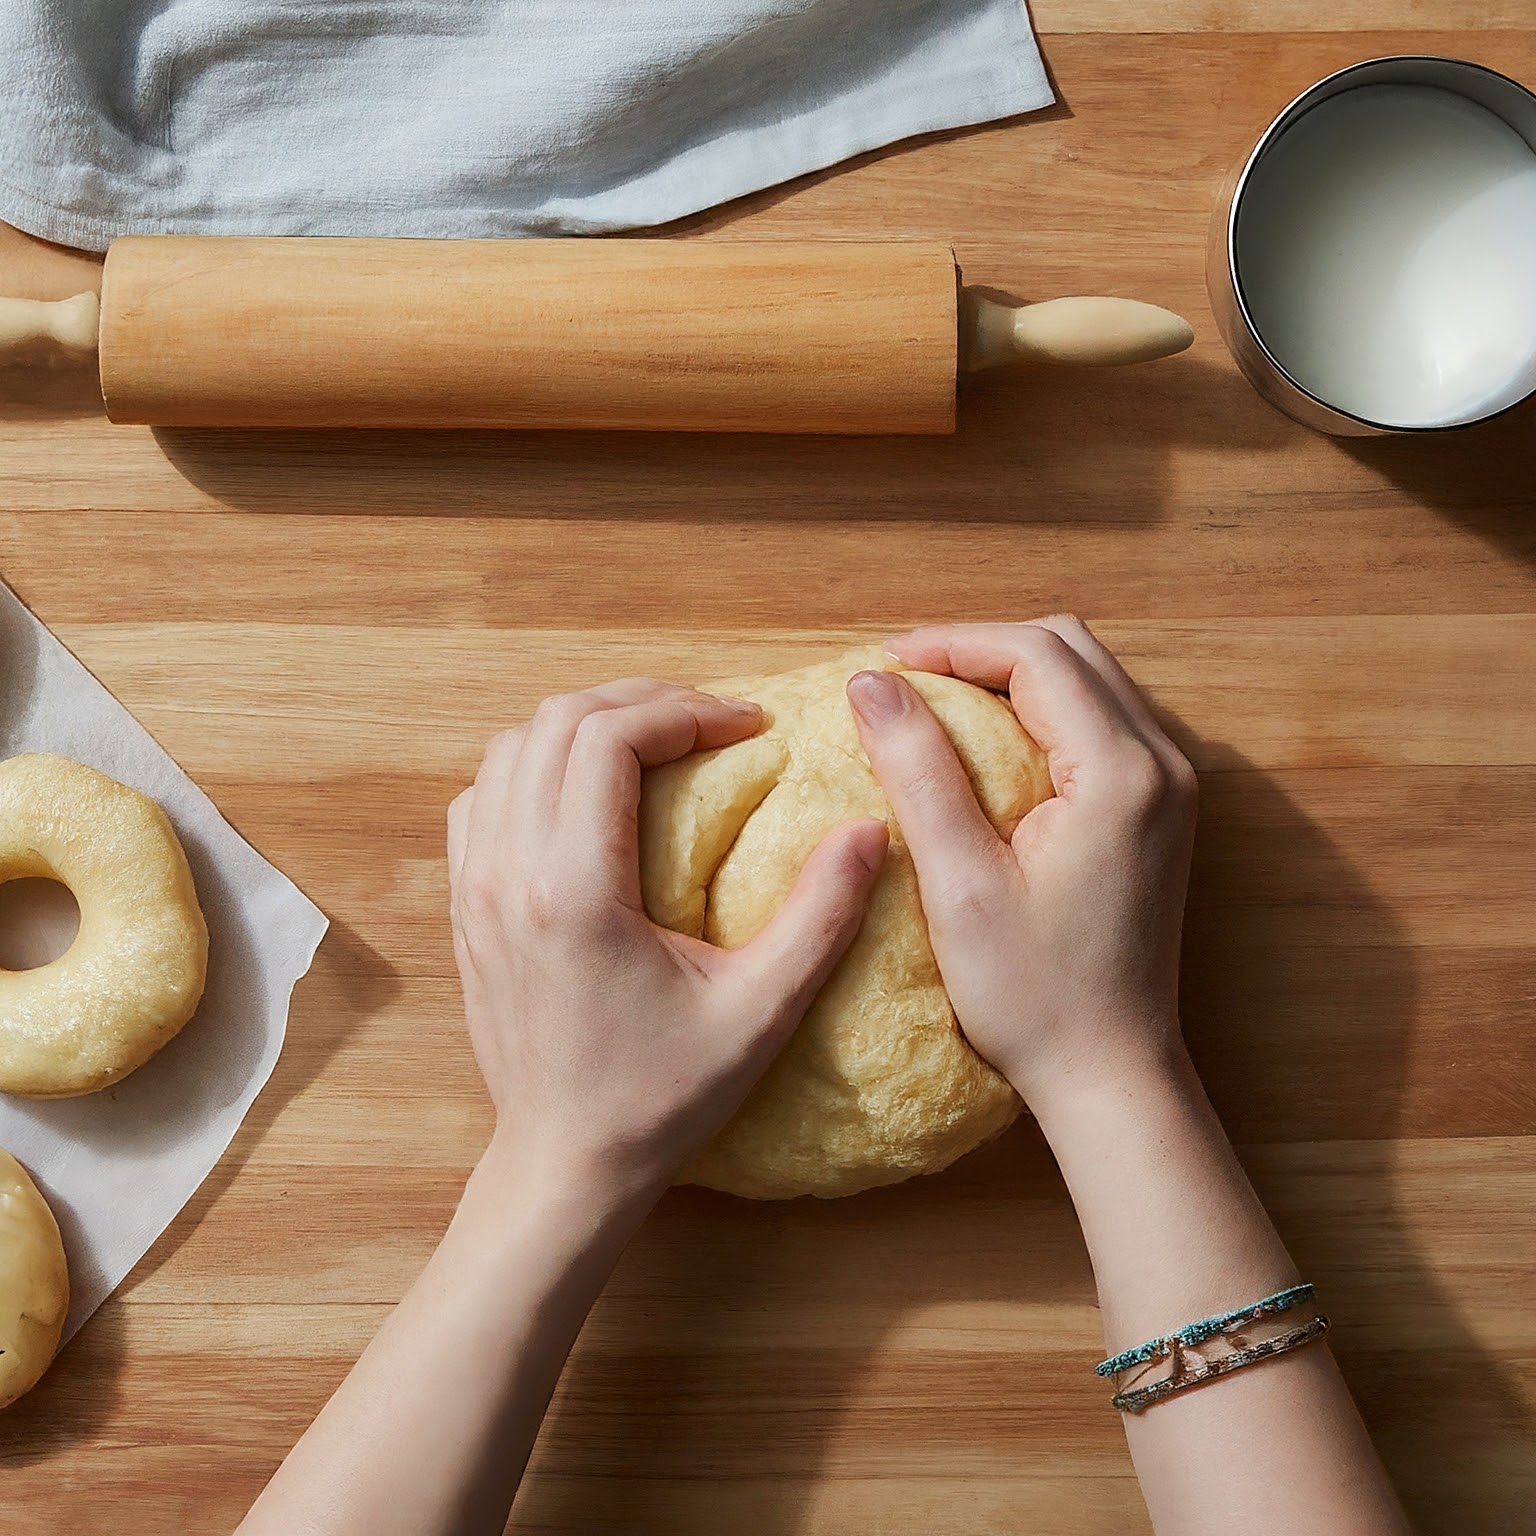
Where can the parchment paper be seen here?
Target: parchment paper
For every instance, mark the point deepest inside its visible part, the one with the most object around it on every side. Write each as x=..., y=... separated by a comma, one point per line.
x=117, y=1166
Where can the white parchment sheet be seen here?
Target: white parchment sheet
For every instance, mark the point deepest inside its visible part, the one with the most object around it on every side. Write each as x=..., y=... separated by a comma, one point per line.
x=117, y=1166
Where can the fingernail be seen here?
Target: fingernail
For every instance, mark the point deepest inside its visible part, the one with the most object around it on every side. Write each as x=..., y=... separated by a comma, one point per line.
x=876, y=696
x=872, y=849
x=744, y=706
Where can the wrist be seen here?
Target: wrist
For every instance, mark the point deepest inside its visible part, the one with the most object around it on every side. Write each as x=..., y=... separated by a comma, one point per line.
x=1152, y=1077
x=574, y=1197
x=527, y=1253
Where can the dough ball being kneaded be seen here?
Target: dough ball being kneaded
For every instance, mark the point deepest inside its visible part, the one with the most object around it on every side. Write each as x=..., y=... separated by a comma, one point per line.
x=877, y=1084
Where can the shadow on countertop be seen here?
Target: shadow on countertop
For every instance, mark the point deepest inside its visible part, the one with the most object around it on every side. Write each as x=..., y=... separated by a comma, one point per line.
x=746, y=1354
x=76, y=1401
x=1305, y=1007
x=347, y=983
x=49, y=392
x=1483, y=477
x=1081, y=445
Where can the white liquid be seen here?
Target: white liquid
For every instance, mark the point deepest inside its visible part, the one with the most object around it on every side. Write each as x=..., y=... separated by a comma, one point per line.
x=1387, y=251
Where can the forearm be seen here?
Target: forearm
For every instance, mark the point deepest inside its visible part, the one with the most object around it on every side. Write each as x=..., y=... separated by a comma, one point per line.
x=1176, y=1233
x=431, y=1430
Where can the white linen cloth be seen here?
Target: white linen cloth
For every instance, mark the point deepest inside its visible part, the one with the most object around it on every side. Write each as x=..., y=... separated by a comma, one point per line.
x=468, y=117
x=117, y=1166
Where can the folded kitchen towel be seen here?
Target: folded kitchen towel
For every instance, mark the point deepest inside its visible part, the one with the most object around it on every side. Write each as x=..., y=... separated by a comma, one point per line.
x=453, y=118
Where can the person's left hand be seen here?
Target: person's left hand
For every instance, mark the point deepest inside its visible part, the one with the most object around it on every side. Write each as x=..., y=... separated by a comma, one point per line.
x=612, y=1047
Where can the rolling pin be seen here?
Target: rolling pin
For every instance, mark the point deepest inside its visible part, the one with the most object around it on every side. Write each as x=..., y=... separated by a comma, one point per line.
x=666, y=335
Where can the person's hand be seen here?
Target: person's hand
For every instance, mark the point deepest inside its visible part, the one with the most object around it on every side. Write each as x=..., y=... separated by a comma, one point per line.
x=1060, y=951
x=612, y=1046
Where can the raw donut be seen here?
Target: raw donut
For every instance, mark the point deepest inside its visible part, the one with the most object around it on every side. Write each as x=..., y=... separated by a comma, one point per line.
x=34, y=1282
x=877, y=1084
x=135, y=972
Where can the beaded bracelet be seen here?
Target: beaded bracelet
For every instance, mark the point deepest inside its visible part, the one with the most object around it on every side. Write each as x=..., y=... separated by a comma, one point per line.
x=1229, y=1327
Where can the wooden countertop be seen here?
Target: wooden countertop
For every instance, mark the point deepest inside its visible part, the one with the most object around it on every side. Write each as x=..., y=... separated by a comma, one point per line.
x=324, y=629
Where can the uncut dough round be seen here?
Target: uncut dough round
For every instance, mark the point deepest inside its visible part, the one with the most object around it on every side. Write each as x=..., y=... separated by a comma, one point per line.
x=878, y=1084
x=135, y=972
x=34, y=1282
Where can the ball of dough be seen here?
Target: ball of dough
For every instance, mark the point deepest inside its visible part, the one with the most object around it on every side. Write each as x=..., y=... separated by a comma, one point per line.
x=34, y=1282
x=135, y=972
x=878, y=1084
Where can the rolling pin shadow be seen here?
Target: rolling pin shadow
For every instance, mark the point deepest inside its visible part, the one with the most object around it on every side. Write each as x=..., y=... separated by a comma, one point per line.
x=656, y=335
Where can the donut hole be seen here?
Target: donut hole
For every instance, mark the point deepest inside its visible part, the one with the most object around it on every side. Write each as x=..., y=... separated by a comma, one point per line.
x=39, y=919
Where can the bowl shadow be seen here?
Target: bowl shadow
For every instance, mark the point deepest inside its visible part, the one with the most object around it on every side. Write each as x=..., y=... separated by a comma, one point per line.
x=1483, y=477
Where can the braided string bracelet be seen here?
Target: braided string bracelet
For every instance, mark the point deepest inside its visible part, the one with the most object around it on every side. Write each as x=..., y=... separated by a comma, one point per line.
x=1182, y=1349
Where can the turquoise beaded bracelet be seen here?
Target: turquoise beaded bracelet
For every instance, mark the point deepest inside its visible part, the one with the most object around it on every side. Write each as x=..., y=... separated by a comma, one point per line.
x=1206, y=1328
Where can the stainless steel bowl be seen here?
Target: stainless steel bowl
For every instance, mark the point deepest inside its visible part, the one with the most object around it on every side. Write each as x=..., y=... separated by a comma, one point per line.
x=1504, y=97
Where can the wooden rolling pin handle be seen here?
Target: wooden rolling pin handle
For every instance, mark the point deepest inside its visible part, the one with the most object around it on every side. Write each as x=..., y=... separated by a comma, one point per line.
x=727, y=336
x=1086, y=332
x=69, y=326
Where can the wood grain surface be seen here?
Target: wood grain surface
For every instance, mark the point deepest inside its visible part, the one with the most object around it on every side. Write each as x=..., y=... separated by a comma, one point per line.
x=324, y=628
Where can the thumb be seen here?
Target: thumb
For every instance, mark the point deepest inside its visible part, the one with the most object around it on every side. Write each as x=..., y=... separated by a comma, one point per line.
x=785, y=965
x=924, y=780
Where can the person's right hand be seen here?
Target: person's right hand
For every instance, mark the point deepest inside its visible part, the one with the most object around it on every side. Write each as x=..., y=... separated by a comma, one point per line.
x=1060, y=951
